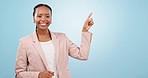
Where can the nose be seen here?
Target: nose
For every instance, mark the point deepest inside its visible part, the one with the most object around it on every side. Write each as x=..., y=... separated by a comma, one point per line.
x=43, y=18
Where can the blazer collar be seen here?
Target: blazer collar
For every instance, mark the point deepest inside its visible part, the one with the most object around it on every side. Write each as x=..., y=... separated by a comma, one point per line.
x=35, y=39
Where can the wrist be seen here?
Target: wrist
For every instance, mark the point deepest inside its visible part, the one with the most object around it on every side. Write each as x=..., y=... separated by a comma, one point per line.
x=84, y=30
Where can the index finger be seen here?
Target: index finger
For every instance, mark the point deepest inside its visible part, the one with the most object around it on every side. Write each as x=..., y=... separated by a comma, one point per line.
x=89, y=15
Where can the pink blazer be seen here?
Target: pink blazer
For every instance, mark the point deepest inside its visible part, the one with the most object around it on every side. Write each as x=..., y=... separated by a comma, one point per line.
x=30, y=59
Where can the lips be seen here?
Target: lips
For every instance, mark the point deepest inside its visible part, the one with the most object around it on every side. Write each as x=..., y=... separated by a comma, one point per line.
x=43, y=24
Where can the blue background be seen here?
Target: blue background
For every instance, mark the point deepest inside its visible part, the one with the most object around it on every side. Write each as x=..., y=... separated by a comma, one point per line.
x=119, y=47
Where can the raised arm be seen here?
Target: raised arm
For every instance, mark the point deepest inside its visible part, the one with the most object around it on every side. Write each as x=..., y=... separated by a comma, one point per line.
x=82, y=52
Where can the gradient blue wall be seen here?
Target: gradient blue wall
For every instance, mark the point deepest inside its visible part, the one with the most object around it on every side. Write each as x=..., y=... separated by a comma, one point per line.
x=119, y=47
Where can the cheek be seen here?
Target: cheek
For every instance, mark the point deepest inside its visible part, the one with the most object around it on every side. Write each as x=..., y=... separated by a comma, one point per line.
x=35, y=20
x=49, y=20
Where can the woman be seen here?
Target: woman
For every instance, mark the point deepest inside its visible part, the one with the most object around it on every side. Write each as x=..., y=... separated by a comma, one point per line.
x=44, y=54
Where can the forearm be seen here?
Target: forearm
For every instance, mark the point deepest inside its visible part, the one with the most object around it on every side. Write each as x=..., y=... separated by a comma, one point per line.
x=81, y=52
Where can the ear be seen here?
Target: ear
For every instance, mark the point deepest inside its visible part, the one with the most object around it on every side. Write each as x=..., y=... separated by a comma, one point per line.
x=33, y=20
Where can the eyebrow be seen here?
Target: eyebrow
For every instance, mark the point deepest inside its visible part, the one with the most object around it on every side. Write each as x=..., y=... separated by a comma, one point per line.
x=43, y=14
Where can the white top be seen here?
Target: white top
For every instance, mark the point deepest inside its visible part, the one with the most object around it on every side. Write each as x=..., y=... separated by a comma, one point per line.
x=49, y=53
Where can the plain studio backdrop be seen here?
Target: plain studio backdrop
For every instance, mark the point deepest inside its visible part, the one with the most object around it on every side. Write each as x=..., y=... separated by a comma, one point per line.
x=119, y=47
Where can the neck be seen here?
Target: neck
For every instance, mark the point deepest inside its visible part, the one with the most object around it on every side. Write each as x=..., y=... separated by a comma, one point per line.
x=42, y=32
x=43, y=35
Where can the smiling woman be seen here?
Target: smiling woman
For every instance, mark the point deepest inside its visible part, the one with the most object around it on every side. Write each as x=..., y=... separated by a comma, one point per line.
x=42, y=16
x=44, y=54
x=119, y=48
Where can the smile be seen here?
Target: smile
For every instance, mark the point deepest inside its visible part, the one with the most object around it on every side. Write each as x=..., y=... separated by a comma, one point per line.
x=42, y=24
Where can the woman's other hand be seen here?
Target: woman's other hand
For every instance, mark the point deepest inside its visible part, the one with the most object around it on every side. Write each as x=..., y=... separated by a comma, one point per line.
x=46, y=74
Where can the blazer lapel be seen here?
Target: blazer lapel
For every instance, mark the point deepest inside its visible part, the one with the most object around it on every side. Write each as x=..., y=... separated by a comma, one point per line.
x=39, y=49
x=56, y=48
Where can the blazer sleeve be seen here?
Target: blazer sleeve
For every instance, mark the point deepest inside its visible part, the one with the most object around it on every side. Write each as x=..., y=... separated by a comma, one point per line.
x=21, y=69
x=81, y=52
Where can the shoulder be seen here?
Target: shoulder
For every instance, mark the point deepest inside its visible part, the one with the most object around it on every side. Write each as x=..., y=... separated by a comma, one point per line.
x=59, y=35
x=26, y=39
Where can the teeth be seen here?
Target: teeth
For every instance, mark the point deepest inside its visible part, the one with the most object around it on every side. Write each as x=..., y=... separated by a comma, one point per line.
x=43, y=24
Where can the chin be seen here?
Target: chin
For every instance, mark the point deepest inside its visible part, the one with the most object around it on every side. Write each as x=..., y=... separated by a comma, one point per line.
x=43, y=28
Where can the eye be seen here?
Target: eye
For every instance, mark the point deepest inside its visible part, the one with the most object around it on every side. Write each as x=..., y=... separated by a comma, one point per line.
x=47, y=16
x=39, y=16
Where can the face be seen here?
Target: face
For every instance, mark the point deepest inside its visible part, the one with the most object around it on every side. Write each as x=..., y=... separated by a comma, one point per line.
x=42, y=17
